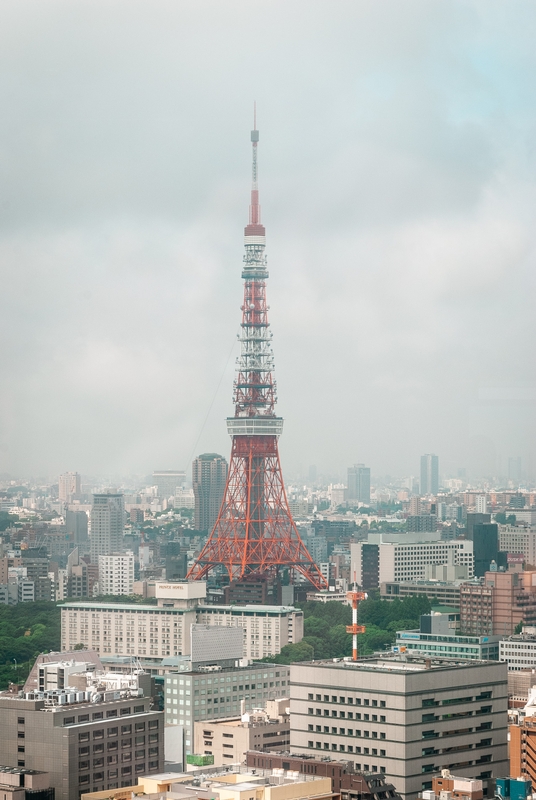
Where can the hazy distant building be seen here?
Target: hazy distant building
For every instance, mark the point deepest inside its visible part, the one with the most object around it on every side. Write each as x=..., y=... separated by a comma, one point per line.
x=358, y=483
x=514, y=469
x=107, y=515
x=69, y=486
x=209, y=474
x=429, y=474
x=76, y=522
x=168, y=481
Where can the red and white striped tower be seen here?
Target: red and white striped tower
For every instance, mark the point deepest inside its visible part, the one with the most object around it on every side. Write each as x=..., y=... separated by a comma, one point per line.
x=354, y=628
x=254, y=534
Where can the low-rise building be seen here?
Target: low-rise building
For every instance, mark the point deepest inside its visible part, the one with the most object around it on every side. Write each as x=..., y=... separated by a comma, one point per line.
x=19, y=783
x=350, y=783
x=438, y=636
x=228, y=740
x=230, y=784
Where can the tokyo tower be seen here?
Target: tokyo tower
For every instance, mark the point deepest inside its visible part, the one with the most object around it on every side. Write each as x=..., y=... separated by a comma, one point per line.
x=254, y=534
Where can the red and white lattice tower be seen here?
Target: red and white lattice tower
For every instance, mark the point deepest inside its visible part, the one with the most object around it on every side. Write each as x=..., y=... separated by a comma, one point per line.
x=254, y=534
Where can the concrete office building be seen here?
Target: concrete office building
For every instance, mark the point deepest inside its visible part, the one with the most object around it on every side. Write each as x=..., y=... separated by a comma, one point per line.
x=83, y=742
x=217, y=692
x=429, y=474
x=402, y=558
x=116, y=573
x=107, y=520
x=358, y=484
x=405, y=717
x=228, y=739
x=209, y=475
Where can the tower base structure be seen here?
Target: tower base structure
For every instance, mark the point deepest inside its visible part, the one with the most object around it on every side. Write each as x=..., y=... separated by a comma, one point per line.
x=255, y=534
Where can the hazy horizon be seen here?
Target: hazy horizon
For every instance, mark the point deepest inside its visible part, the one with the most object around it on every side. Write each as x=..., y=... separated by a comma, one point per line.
x=398, y=184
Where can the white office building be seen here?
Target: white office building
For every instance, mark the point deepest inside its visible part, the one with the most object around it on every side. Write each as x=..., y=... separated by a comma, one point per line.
x=406, y=557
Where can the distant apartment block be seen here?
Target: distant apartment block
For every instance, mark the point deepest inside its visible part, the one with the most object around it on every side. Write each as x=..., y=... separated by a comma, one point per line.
x=209, y=475
x=69, y=487
x=107, y=520
x=116, y=573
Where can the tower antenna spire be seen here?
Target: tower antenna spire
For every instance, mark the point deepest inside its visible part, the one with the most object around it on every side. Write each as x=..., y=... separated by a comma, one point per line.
x=255, y=535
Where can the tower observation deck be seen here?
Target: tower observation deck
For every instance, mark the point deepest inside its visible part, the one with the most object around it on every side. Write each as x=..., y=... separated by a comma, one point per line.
x=254, y=534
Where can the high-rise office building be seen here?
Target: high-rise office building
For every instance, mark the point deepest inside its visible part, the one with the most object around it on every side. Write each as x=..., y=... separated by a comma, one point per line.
x=69, y=486
x=401, y=715
x=358, y=483
x=168, y=481
x=209, y=475
x=107, y=517
x=429, y=474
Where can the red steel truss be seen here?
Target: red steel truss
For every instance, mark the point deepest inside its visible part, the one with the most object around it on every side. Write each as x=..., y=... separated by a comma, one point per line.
x=254, y=533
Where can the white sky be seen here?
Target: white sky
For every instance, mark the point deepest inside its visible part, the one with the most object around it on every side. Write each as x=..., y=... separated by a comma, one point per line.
x=398, y=183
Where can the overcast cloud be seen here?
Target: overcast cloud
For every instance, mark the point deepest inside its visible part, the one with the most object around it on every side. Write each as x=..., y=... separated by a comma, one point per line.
x=398, y=187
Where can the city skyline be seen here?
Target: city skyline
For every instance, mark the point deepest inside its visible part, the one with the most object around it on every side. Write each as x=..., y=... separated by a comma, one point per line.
x=400, y=209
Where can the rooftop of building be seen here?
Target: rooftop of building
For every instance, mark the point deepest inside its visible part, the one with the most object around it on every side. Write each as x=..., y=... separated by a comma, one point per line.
x=21, y=771
x=397, y=662
x=253, y=608
x=245, y=609
x=528, y=634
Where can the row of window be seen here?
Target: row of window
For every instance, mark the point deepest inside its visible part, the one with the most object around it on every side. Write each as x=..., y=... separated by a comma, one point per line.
x=326, y=698
x=346, y=714
x=110, y=714
x=99, y=734
x=346, y=731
